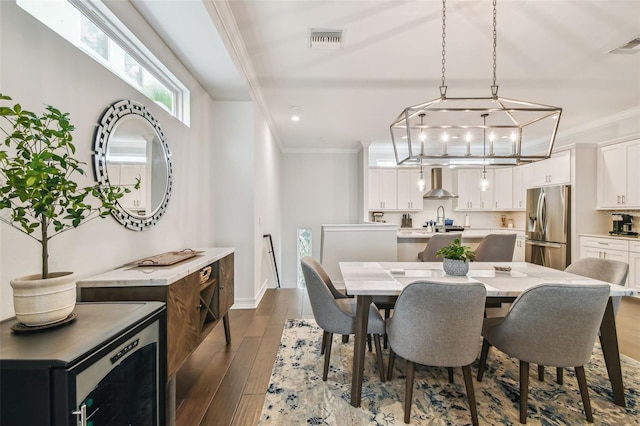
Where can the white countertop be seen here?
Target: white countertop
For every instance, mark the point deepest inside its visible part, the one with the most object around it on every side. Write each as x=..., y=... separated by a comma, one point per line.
x=155, y=276
x=468, y=233
x=615, y=237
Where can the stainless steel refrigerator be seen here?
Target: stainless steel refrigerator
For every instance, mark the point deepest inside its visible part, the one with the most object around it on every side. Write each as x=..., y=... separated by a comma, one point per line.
x=548, y=226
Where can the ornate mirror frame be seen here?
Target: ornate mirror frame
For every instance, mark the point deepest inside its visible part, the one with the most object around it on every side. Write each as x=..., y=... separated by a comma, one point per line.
x=107, y=125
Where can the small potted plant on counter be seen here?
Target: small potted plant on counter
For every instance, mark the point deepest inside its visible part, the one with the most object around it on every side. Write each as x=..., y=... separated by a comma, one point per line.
x=456, y=258
x=40, y=197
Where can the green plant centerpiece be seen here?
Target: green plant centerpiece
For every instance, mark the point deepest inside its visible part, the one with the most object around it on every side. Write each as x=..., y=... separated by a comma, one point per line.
x=40, y=196
x=456, y=258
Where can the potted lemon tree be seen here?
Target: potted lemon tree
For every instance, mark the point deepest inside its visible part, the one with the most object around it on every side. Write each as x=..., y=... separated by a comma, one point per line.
x=40, y=196
x=456, y=258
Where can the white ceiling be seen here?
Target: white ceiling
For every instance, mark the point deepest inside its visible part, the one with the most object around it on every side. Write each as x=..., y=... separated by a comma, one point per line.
x=549, y=51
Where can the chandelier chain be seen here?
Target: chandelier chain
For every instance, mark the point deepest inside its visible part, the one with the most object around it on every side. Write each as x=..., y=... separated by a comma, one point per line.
x=495, y=42
x=444, y=28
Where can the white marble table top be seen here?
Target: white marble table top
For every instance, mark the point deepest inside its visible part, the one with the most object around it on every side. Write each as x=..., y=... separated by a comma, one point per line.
x=389, y=278
x=155, y=275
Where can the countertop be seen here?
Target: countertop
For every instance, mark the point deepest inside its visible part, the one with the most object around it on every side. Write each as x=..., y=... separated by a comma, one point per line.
x=468, y=233
x=154, y=275
x=615, y=237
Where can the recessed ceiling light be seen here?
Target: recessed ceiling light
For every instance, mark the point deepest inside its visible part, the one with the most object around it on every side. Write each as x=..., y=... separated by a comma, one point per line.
x=295, y=113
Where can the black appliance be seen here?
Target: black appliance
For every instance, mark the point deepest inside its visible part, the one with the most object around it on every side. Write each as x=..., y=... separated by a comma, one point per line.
x=105, y=368
x=622, y=224
x=449, y=228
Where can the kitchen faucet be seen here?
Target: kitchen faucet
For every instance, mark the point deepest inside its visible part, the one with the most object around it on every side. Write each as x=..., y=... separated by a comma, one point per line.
x=440, y=219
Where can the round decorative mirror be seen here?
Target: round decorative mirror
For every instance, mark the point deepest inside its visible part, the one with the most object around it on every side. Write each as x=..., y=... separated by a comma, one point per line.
x=130, y=147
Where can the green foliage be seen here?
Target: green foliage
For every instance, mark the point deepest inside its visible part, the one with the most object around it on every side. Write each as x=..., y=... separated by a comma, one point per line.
x=37, y=176
x=456, y=251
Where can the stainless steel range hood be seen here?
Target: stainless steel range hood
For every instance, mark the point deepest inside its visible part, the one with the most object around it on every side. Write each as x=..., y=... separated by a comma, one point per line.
x=437, y=192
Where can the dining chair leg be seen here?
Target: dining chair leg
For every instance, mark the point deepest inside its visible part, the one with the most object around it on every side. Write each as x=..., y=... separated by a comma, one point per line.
x=392, y=360
x=324, y=342
x=369, y=343
x=408, y=393
x=381, y=371
x=584, y=392
x=450, y=373
x=483, y=359
x=468, y=382
x=559, y=371
x=327, y=356
x=541, y=373
x=524, y=390
x=387, y=314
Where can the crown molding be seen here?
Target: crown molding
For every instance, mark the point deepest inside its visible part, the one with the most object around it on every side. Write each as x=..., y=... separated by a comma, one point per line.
x=224, y=21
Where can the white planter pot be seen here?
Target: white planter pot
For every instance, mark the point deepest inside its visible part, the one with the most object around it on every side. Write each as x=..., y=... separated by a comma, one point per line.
x=38, y=301
x=455, y=266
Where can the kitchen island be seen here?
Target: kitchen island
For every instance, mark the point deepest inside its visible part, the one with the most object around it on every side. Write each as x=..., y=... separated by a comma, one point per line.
x=411, y=241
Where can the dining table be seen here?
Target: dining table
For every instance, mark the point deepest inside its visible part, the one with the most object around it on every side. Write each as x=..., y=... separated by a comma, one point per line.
x=504, y=282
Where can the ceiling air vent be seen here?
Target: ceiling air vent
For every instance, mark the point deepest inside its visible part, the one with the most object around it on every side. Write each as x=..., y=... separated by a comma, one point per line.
x=629, y=48
x=325, y=39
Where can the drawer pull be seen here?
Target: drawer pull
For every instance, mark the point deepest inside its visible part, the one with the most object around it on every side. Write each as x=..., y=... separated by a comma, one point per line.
x=205, y=273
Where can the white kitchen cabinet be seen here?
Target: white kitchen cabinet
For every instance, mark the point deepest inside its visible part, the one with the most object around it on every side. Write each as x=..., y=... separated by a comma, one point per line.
x=469, y=197
x=382, y=189
x=519, y=250
x=618, y=176
x=409, y=197
x=126, y=175
x=519, y=189
x=605, y=248
x=503, y=189
x=470, y=194
x=634, y=265
x=553, y=171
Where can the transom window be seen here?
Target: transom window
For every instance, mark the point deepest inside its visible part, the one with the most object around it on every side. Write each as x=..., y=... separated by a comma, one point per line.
x=109, y=42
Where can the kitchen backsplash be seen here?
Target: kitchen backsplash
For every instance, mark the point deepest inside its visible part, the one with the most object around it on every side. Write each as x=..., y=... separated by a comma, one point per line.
x=476, y=219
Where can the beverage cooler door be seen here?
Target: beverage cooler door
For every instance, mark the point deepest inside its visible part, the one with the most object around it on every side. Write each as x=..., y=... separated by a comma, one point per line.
x=119, y=385
x=551, y=255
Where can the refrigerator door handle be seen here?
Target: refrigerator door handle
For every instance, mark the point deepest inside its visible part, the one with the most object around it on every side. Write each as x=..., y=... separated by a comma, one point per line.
x=543, y=213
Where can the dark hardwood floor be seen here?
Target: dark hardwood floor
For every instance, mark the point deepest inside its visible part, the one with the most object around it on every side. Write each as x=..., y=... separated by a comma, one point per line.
x=225, y=384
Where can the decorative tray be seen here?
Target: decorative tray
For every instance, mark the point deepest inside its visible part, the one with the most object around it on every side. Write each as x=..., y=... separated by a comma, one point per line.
x=166, y=259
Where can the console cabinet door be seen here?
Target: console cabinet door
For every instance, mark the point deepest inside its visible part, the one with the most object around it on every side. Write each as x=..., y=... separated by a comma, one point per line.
x=226, y=286
x=183, y=320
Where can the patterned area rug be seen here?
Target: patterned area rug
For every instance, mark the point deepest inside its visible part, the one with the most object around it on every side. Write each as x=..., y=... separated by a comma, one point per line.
x=297, y=394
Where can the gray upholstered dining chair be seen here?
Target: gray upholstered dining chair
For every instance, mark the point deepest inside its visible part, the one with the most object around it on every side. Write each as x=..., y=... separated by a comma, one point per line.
x=496, y=248
x=608, y=270
x=549, y=324
x=437, y=324
x=436, y=242
x=337, y=315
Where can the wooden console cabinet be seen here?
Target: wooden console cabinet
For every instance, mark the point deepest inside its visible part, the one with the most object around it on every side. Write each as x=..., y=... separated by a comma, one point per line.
x=198, y=293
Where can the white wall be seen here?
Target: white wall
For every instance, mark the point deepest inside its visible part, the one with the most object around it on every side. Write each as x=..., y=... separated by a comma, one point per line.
x=317, y=189
x=37, y=67
x=245, y=164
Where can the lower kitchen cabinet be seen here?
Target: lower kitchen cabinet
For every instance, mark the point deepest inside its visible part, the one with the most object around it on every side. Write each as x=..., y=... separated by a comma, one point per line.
x=613, y=248
x=634, y=264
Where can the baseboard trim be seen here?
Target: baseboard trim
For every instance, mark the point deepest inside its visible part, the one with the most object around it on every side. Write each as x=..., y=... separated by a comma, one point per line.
x=250, y=303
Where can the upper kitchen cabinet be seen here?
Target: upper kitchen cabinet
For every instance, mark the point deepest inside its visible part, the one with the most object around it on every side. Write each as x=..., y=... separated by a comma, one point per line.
x=618, y=176
x=503, y=189
x=383, y=189
x=470, y=196
x=519, y=187
x=553, y=171
x=409, y=197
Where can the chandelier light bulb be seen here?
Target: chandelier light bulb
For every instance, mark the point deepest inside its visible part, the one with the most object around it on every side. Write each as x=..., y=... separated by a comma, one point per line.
x=295, y=113
x=513, y=136
x=445, y=136
x=484, y=183
x=468, y=137
x=423, y=136
x=492, y=137
x=422, y=185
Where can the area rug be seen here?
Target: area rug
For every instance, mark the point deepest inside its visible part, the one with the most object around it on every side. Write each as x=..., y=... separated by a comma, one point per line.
x=297, y=395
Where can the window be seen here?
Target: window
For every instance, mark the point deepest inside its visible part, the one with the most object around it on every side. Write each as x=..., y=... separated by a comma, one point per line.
x=304, y=249
x=91, y=27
